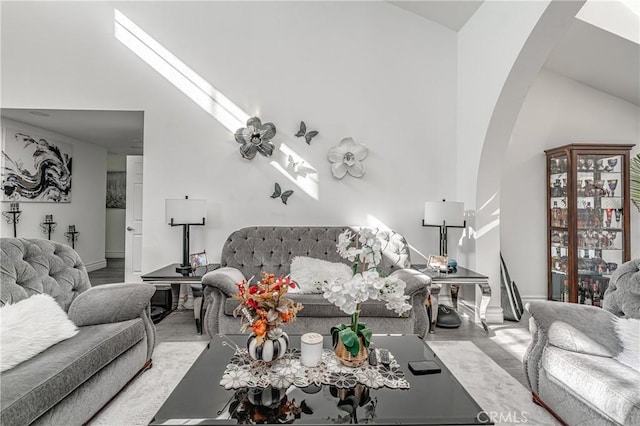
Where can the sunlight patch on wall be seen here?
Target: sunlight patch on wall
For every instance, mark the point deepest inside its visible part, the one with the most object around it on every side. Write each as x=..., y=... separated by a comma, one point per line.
x=486, y=229
x=178, y=73
x=297, y=170
x=208, y=98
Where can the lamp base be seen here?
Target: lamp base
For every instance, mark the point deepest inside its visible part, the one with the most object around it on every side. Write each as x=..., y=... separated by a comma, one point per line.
x=184, y=269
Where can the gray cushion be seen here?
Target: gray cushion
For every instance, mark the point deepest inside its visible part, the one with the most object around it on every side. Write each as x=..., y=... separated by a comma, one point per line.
x=33, y=387
x=110, y=303
x=622, y=296
x=609, y=386
x=33, y=266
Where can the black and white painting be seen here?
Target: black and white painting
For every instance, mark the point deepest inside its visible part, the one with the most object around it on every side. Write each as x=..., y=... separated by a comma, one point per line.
x=35, y=168
x=116, y=190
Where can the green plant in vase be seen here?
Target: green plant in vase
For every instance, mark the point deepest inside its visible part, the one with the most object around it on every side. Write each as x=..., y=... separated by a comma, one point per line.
x=363, y=248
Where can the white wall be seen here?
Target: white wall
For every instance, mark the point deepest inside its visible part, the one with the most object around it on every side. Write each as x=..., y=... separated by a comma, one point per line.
x=115, y=218
x=500, y=51
x=86, y=209
x=368, y=70
x=556, y=111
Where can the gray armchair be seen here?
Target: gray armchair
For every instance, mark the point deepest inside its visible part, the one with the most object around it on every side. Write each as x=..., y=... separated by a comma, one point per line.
x=70, y=381
x=574, y=365
x=249, y=251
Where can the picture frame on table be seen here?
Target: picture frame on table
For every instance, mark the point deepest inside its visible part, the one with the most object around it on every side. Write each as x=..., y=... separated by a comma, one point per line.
x=198, y=260
x=437, y=263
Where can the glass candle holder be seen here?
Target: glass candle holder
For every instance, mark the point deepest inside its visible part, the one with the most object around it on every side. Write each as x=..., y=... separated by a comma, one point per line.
x=48, y=218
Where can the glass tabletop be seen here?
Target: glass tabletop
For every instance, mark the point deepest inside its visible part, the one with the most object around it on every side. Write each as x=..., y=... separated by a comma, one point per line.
x=169, y=273
x=432, y=399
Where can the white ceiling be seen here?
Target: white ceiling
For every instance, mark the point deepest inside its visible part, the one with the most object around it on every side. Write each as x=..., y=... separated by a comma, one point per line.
x=121, y=132
x=598, y=59
x=600, y=55
x=588, y=54
x=451, y=14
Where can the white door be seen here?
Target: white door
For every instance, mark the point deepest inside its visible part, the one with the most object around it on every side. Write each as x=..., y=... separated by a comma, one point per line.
x=133, y=239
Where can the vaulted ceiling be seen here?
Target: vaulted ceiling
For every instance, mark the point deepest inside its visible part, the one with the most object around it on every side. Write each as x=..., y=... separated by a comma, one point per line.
x=598, y=56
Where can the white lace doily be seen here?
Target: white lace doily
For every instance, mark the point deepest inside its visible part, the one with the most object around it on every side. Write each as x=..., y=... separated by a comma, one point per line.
x=243, y=371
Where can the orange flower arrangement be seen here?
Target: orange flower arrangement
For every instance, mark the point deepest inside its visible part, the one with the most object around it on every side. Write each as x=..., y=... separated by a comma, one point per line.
x=264, y=306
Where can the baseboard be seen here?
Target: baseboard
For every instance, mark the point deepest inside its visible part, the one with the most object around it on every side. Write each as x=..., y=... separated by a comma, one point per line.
x=527, y=299
x=494, y=314
x=114, y=254
x=94, y=266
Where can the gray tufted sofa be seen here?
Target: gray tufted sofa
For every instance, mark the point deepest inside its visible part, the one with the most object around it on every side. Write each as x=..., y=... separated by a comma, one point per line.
x=70, y=381
x=249, y=251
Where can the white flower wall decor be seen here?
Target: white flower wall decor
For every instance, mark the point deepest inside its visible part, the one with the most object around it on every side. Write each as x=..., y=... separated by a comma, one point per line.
x=347, y=157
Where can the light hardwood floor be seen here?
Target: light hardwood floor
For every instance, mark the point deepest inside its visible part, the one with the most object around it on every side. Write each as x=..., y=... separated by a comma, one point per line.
x=504, y=344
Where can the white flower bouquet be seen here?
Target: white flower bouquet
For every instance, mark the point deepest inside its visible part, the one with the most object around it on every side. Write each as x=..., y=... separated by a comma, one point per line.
x=364, y=248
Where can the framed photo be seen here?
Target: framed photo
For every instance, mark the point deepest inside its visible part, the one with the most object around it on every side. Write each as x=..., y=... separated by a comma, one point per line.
x=116, y=190
x=438, y=263
x=197, y=260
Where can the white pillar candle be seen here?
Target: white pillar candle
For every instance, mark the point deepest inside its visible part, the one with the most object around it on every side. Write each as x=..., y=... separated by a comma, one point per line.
x=311, y=349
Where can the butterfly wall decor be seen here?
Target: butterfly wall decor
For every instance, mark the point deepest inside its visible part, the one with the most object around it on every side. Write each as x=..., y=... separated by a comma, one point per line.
x=307, y=135
x=284, y=196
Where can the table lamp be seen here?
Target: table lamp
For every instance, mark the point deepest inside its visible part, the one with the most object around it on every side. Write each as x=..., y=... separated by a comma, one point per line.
x=444, y=214
x=185, y=212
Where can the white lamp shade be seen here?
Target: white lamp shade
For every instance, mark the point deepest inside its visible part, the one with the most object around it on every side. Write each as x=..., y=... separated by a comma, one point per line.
x=450, y=212
x=185, y=210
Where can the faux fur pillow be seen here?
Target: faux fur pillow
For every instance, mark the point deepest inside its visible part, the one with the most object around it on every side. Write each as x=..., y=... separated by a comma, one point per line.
x=31, y=326
x=310, y=273
x=628, y=329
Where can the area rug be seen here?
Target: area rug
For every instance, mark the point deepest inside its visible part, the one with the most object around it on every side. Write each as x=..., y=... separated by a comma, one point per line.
x=501, y=396
x=141, y=400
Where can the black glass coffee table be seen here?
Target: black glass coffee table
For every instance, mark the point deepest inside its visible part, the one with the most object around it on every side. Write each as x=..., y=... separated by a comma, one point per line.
x=432, y=399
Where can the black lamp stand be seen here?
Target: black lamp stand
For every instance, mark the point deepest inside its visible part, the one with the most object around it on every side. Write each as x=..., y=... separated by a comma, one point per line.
x=443, y=234
x=185, y=267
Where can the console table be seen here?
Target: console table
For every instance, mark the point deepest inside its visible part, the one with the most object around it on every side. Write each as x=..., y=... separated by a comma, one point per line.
x=463, y=276
x=168, y=275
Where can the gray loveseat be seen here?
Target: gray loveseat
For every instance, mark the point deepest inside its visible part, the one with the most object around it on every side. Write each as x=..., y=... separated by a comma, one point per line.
x=70, y=381
x=575, y=364
x=248, y=251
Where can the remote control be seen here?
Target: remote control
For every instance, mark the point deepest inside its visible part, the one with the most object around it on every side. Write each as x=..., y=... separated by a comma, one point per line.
x=385, y=359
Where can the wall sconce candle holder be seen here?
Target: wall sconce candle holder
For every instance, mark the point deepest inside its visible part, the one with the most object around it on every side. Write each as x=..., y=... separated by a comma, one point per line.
x=72, y=236
x=48, y=226
x=13, y=216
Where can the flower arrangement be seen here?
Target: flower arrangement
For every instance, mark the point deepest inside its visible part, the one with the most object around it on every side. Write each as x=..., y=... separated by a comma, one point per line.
x=264, y=306
x=364, y=248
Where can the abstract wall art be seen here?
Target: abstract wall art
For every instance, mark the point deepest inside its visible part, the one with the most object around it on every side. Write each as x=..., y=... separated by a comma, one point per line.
x=34, y=168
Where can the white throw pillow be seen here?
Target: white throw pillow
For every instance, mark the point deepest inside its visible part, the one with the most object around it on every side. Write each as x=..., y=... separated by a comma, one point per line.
x=309, y=273
x=31, y=326
x=628, y=329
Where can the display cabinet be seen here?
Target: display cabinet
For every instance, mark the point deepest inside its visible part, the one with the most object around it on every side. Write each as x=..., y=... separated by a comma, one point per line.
x=588, y=219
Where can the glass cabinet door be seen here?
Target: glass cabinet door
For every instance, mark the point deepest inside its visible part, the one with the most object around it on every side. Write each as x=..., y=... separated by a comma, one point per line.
x=600, y=212
x=559, y=237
